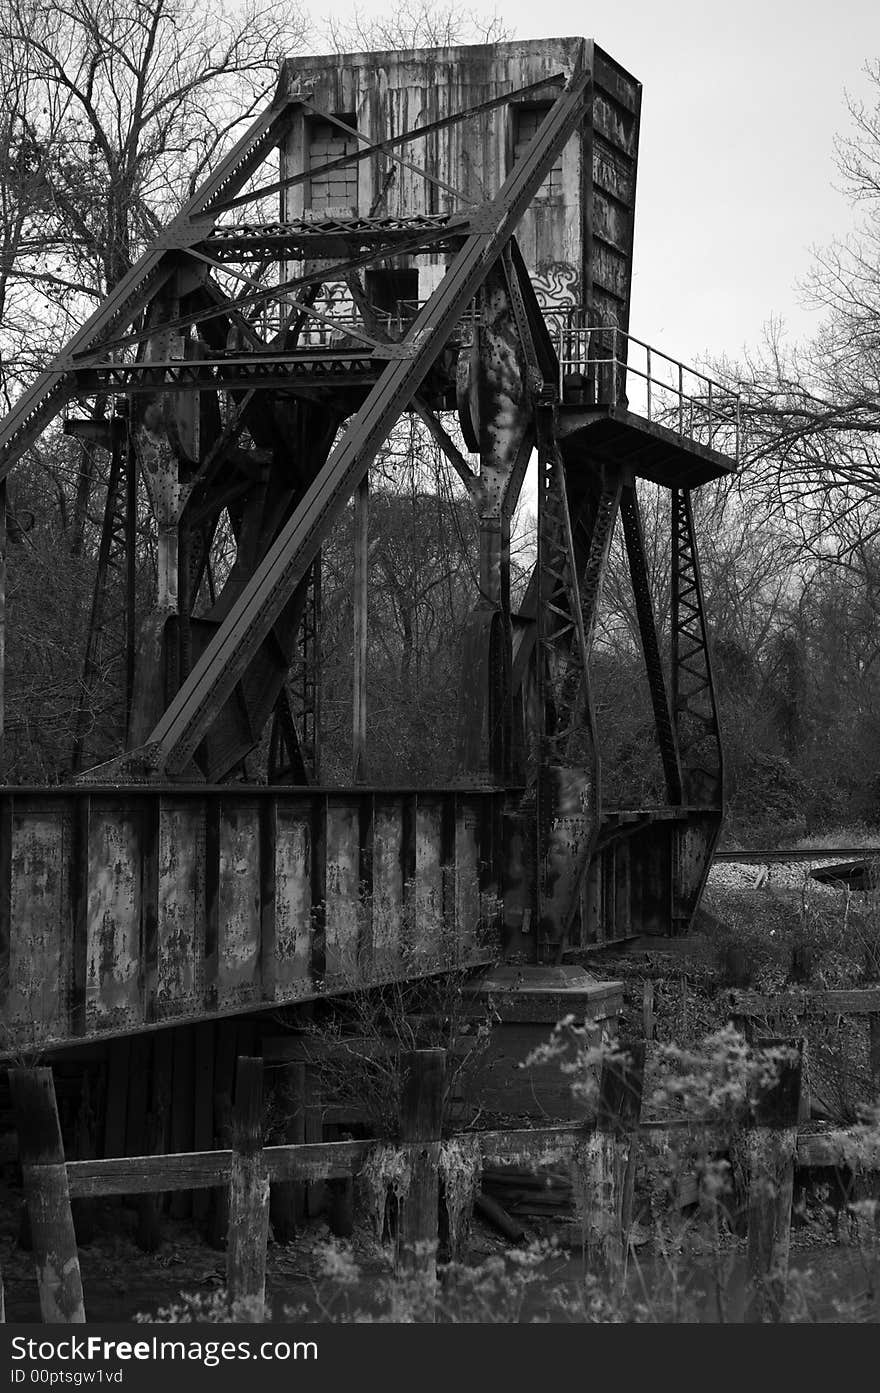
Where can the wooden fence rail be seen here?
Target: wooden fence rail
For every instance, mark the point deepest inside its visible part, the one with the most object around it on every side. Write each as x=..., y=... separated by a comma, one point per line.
x=606, y=1153
x=202, y=1170
x=749, y=1006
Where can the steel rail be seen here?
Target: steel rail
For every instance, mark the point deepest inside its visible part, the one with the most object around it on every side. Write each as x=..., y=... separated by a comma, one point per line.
x=800, y=853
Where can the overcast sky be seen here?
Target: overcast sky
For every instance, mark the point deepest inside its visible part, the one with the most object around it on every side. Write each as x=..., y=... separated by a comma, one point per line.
x=740, y=106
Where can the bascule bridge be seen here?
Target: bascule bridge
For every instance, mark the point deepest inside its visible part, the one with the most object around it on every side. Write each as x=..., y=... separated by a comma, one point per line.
x=450, y=234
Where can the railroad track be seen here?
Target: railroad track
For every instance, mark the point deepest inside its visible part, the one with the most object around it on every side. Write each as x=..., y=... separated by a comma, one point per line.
x=800, y=853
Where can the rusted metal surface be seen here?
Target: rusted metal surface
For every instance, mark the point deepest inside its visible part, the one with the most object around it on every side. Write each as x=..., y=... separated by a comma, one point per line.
x=213, y=679
x=568, y=773
x=692, y=860
x=499, y=182
x=695, y=712
x=200, y=902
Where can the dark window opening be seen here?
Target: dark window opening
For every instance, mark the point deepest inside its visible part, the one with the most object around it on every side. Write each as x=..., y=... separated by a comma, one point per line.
x=526, y=120
x=332, y=188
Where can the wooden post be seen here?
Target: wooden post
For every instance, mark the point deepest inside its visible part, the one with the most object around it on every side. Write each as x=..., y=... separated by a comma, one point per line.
x=610, y=1163
x=148, y=1234
x=313, y=1131
x=801, y=969
x=224, y=1085
x=119, y=1078
x=182, y=1113
x=294, y=1201
x=771, y=1150
x=421, y=1101
x=150, y=1207
x=648, y=1010
x=248, y=1188
x=287, y=1201
x=48, y=1198
x=203, y=1109
x=84, y=1210
x=340, y=1193
x=804, y=1096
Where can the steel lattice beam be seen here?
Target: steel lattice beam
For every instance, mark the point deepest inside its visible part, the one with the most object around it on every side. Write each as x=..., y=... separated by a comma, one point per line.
x=178, y=733
x=635, y=549
x=693, y=690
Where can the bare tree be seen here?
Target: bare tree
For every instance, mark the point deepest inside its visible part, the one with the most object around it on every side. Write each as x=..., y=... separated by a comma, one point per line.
x=416, y=24
x=114, y=110
x=812, y=410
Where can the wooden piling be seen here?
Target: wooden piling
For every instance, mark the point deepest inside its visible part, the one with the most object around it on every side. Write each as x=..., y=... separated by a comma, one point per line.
x=313, y=1131
x=203, y=1109
x=182, y=1114
x=801, y=968
x=340, y=1193
x=648, y=1010
x=771, y=1151
x=148, y=1234
x=119, y=1078
x=224, y=1086
x=48, y=1199
x=150, y=1208
x=287, y=1200
x=248, y=1189
x=82, y=1143
x=421, y=1101
x=608, y=1176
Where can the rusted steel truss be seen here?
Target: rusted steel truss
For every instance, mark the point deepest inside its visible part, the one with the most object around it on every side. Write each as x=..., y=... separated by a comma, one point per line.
x=175, y=738
x=259, y=409
x=693, y=691
x=666, y=736
x=566, y=791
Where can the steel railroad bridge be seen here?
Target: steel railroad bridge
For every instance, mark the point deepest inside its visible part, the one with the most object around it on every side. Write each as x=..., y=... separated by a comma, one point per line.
x=453, y=237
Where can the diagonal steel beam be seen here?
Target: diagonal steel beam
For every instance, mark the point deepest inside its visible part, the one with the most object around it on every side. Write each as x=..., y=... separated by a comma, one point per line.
x=694, y=706
x=392, y=154
x=419, y=242
x=385, y=147
x=54, y=388
x=198, y=702
x=638, y=568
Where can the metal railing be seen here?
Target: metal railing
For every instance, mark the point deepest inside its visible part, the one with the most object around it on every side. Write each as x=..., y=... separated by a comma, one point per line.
x=600, y=365
x=392, y=323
